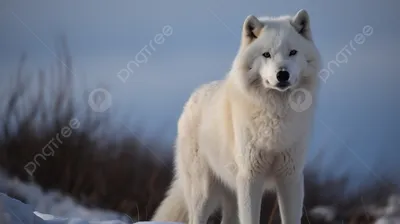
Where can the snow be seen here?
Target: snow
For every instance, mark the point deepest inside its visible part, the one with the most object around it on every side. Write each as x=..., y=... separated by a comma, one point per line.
x=388, y=214
x=16, y=212
x=325, y=212
x=51, y=202
x=54, y=208
x=391, y=214
x=49, y=207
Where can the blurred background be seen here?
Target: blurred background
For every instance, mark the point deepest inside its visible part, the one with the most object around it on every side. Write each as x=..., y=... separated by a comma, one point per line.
x=106, y=82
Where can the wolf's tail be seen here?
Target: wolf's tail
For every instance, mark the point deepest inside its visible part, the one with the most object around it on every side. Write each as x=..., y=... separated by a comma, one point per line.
x=173, y=207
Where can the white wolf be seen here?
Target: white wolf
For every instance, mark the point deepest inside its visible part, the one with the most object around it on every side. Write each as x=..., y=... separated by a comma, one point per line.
x=240, y=136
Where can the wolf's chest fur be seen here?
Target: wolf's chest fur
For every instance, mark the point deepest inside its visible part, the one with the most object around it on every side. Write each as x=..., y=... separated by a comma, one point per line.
x=271, y=141
x=269, y=131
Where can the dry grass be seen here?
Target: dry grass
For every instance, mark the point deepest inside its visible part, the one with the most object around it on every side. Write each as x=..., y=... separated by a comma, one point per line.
x=124, y=177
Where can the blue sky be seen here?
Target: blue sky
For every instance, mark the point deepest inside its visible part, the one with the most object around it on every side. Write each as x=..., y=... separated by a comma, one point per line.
x=357, y=123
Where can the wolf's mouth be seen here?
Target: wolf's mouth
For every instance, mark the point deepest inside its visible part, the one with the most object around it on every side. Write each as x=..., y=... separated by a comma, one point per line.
x=283, y=85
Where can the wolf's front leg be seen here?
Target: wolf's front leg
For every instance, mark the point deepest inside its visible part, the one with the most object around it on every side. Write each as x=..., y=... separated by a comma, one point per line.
x=290, y=192
x=249, y=195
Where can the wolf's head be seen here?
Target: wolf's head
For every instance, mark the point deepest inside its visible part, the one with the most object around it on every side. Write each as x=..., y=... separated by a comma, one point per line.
x=277, y=53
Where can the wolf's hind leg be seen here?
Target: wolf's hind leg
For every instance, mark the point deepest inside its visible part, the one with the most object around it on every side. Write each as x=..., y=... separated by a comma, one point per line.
x=202, y=201
x=229, y=207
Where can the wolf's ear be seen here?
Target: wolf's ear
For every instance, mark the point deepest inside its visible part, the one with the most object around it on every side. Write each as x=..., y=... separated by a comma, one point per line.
x=251, y=29
x=301, y=22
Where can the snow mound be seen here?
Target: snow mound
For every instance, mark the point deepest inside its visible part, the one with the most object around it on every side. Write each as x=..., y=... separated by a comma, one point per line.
x=51, y=207
x=13, y=211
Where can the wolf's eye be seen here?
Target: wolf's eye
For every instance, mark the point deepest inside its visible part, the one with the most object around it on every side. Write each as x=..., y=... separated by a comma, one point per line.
x=266, y=55
x=292, y=52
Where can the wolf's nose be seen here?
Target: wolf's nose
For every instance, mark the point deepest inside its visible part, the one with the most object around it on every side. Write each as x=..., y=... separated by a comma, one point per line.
x=282, y=76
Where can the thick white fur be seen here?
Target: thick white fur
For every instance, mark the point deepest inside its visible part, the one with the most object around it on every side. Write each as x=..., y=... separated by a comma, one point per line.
x=239, y=137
